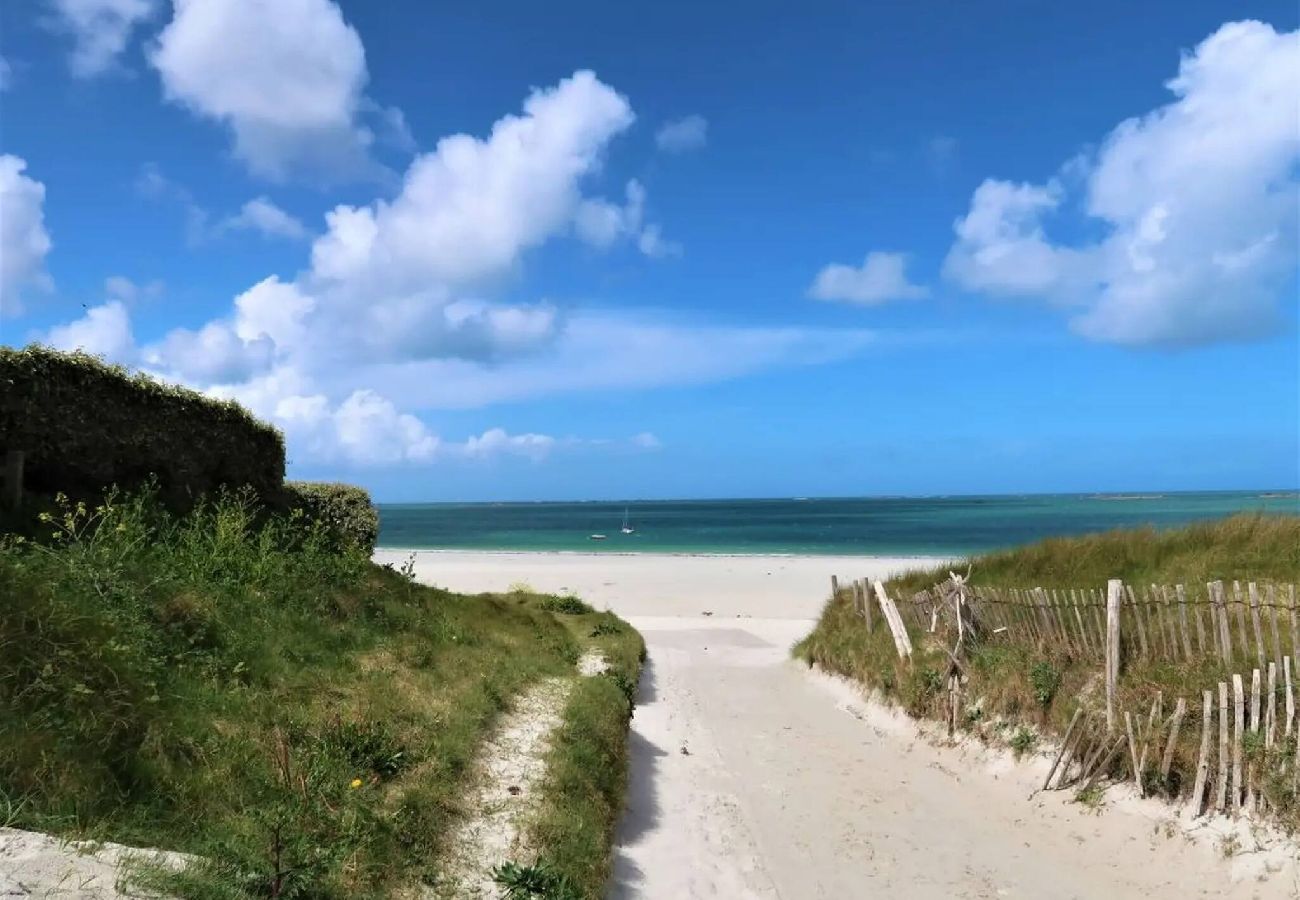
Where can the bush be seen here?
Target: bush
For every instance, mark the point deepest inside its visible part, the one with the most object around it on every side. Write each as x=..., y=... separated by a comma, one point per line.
x=344, y=510
x=86, y=425
x=566, y=605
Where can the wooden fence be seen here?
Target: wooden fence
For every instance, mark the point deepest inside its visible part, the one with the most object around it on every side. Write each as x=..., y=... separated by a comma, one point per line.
x=1249, y=736
x=1237, y=623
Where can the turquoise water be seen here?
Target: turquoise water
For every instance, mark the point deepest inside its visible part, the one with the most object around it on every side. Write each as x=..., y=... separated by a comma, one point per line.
x=876, y=526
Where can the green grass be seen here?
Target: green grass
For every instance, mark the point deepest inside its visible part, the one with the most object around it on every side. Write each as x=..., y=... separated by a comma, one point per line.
x=1014, y=687
x=302, y=720
x=1249, y=546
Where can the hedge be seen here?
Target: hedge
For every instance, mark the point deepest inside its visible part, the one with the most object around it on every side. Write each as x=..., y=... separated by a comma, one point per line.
x=85, y=425
x=344, y=509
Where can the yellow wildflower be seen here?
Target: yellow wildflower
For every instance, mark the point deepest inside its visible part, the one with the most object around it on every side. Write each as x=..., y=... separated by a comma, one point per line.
x=356, y=783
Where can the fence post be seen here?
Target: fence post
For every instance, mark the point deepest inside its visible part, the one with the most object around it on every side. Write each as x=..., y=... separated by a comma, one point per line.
x=902, y=642
x=1114, y=593
x=13, y=480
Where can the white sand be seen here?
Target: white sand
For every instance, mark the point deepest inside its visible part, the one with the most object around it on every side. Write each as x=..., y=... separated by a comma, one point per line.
x=753, y=777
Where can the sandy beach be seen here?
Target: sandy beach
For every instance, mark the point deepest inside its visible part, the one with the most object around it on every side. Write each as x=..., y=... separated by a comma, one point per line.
x=753, y=777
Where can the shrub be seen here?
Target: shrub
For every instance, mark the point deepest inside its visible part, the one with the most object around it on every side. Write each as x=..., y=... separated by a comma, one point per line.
x=345, y=511
x=85, y=425
x=1045, y=680
x=567, y=605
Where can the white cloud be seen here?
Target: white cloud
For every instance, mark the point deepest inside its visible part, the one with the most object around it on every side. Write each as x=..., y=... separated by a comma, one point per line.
x=882, y=277
x=653, y=244
x=647, y=441
x=679, y=135
x=100, y=30
x=601, y=224
x=269, y=220
x=469, y=208
x=1197, y=203
x=24, y=242
x=286, y=77
x=103, y=331
x=495, y=442
x=6, y=75
x=119, y=287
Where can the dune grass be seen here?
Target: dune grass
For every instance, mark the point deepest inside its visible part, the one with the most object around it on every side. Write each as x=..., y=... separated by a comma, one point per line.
x=1248, y=546
x=1016, y=691
x=300, y=719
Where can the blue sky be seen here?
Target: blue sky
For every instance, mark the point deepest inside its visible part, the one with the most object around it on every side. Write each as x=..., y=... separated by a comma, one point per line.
x=585, y=250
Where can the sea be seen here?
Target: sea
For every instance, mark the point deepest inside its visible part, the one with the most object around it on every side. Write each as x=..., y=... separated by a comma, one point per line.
x=877, y=526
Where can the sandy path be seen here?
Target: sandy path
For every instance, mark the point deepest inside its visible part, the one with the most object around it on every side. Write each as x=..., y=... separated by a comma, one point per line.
x=791, y=786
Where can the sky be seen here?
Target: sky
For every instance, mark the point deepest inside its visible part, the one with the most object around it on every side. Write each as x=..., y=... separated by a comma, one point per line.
x=528, y=251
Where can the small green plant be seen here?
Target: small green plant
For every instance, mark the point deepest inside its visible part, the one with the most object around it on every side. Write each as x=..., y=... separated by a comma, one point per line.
x=974, y=714
x=1046, y=680
x=1022, y=741
x=368, y=746
x=1090, y=798
x=567, y=604
x=520, y=587
x=606, y=627
x=1230, y=846
x=535, y=881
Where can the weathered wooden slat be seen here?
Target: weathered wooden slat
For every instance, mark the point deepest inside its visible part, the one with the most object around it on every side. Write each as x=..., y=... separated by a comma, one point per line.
x=1180, y=597
x=1290, y=697
x=1243, y=629
x=1255, y=624
x=1098, y=603
x=1254, y=729
x=1175, y=725
x=1138, y=621
x=1203, y=761
x=1221, y=794
x=1196, y=610
x=1272, y=621
x=1164, y=622
x=1114, y=592
x=1238, y=742
x=1295, y=626
x=1220, y=616
x=902, y=642
x=1133, y=750
x=1105, y=763
x=1065, y=744
x=1078, y=620
x=1270, y=708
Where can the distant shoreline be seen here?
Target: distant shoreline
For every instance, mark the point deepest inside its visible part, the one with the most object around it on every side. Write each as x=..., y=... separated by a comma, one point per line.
x=688, y=554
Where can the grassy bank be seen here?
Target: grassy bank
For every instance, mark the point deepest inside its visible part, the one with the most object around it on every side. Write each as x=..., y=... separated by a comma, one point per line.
x=302, y=720
x=1250, y=546
x=1020, y=692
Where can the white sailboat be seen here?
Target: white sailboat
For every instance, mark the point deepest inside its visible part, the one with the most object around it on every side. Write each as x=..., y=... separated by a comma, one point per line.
x=627, y=528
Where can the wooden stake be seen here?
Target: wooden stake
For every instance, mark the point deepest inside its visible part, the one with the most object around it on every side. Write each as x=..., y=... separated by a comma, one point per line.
x=1272, y=621
x=1290, y=697
x=1221, y=796
x=1240, y=601
x=1114, y=591
x=1181, y=598
x=1133, y=752
x=1138, y=620
x=1065, y=744
x=1238, y=742
x=1175, y=724
x=1196, y=616
x=1221, y=613
x=902, y=642
x=1255, y=623
x=1203, y=761
x=1270, y=711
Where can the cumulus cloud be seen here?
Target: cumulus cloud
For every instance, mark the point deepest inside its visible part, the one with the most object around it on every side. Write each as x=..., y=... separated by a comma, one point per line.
x=882, y=277
x=286, y=78
x=100, y=30
x=265, y=218
x=601, y=223
x=24, y=242
x=680, y=135
x=495, y=442
x=470, y=207
x=103, y=331
x=1196, y=202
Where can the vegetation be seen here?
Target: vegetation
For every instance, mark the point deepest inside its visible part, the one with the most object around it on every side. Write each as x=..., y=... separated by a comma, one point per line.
x=345, y=511
x=1015, y=691
x=86, y=425
x=1249, y=546
x=236, y=686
